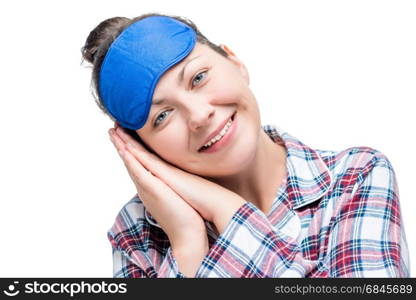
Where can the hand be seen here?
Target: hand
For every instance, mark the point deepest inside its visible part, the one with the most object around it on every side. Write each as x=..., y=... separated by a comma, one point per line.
x=183, y=225
x=212, y=201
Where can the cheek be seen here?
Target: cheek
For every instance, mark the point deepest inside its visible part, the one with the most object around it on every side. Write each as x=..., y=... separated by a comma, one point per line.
x=223, y=94
x=231, y=91
x=170, y=144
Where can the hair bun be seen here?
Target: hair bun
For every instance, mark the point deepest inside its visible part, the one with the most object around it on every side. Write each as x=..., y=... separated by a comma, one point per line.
x=103, y=34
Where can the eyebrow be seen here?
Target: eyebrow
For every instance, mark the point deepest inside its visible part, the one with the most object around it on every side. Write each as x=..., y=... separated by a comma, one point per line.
x=180, y=79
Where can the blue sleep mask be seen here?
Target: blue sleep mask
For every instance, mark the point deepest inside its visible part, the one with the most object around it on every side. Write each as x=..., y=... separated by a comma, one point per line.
x=134, y=63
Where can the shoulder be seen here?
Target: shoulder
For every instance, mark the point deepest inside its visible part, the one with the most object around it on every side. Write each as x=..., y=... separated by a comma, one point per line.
x=359, y=159
x=354, y=163
x=364, y=186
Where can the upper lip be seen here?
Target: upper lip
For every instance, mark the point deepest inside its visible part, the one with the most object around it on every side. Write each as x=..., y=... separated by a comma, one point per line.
x=216, y=132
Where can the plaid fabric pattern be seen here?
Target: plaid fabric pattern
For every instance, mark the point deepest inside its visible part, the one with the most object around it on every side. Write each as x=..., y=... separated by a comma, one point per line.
x=336, y=214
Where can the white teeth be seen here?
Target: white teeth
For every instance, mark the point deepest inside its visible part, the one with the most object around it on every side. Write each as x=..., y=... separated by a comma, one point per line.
x=219, y=136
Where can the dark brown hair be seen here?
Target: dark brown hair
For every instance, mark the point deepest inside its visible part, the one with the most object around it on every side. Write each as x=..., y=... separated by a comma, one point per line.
x=99, y=41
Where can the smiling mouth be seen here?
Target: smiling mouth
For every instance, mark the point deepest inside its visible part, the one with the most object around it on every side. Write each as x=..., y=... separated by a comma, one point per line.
x=219, y=136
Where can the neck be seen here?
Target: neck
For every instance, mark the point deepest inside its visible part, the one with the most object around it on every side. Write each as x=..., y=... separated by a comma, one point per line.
x=260, y=181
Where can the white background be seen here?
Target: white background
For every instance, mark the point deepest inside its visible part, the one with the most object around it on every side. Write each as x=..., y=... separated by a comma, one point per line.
x=334, y=74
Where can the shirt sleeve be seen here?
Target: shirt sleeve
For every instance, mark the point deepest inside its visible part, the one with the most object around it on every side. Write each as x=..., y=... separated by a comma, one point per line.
x=368, y=236
x=123, y=267
x=169, y=267
x=251, y=247
x=140, y=264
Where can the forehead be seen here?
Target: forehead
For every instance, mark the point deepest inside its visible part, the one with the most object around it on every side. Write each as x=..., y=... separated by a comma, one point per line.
x=200, y=52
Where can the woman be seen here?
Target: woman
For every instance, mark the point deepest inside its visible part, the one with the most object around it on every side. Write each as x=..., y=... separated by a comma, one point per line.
x=218, y=195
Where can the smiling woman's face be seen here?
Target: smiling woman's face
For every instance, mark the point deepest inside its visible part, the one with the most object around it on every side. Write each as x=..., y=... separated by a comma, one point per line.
x=192, y=103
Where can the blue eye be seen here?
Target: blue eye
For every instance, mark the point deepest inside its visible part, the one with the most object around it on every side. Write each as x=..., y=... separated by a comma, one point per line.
x=198, y=78
x=160, y=118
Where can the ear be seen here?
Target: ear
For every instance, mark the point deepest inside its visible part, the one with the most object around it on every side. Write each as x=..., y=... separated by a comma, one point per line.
x=235, y=60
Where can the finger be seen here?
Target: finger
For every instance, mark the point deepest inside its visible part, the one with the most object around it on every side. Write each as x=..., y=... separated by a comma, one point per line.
x=138, y=173
x=126, y=138
x=136, y=148
x=149, y=160
x=121, y=148
x=143, y=179
x=116, y=140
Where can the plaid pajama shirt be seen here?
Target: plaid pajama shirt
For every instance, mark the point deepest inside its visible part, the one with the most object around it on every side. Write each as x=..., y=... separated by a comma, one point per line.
x=336, y=214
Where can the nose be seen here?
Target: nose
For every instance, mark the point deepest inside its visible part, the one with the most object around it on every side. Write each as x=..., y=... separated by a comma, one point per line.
x=200, y=114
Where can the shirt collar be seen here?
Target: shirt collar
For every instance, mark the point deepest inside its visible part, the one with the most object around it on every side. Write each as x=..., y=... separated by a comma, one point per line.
x=308, y=177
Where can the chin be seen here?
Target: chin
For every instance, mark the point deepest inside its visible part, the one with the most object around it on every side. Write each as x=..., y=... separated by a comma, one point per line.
x=239, y=160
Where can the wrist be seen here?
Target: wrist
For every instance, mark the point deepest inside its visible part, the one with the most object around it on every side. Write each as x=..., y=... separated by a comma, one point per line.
x=189, y=257
x=190, y=243
x=190, y=250
x=225, y=212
